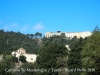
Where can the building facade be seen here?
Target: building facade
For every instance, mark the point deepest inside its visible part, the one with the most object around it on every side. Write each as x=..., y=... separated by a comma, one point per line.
x=21, y=51
x=69, y=34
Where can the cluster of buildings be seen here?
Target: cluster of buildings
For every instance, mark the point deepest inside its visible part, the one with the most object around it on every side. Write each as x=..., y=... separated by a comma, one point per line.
x=32, y=57
x=69, y=34
x=21, y=51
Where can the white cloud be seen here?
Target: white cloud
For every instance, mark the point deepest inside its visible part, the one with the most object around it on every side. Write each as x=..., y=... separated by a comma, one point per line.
x=27, y=28
x=15, y=25
x=6, y=28
x=38, y=26
x=10, y=27
x=24, y=28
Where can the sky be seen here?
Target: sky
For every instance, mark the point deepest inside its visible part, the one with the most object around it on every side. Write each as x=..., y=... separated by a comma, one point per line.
x=31, y=16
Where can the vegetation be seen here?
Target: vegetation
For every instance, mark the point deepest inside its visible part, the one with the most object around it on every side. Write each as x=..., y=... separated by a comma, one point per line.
x=22, y=58
x=59, y=39
x=48, y=57
x=52, y=53
x=91, y=54
x=26, y=69
x=74, y=57
x=6, y=64
x=11, y=41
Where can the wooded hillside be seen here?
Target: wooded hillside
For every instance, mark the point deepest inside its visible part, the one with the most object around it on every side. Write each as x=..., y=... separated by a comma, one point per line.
x=11, y=41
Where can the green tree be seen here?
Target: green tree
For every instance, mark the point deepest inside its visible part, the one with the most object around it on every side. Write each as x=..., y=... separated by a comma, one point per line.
x=8, y=58
x=6, y=63
x=27, y=69
x=11, y=41
x=37, y=34
x=91, y=53
x=40, y=34
x=22, y=58
x=14, y=59
x=31, y=35
x=48, y=57
x=74, y=57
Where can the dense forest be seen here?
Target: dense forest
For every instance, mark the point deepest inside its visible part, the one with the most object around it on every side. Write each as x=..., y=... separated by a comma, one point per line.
x=53, y=57
x=12, y=41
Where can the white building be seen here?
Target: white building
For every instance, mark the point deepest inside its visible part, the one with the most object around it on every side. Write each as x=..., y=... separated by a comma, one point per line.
x=69, y=34
x=50, y=34
x=29, y=57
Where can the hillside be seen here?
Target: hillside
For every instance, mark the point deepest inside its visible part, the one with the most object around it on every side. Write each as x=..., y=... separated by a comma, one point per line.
x=11, y=41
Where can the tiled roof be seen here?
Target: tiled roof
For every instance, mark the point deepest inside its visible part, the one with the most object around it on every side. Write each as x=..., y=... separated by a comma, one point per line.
x=21, y=49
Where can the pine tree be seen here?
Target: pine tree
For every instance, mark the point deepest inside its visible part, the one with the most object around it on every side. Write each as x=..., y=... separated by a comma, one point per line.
x=47, y=58
x=22, y=58
x=74, y=57
x=91, y=53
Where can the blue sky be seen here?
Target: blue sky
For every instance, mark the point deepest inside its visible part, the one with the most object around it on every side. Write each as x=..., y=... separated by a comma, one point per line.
x=31, y=16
